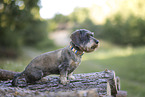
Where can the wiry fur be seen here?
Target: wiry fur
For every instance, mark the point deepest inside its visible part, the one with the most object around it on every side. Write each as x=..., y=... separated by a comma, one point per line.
x=62, y=61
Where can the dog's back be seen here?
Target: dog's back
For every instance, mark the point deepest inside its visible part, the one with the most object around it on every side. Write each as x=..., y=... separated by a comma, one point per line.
x=63, y=61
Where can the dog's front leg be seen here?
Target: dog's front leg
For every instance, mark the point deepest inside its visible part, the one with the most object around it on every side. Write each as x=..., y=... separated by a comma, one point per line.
x=63, y=77
x=70, y=76
x=63, y=68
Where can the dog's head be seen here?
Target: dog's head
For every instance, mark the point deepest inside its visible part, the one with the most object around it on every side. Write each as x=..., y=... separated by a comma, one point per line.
x=84, y=40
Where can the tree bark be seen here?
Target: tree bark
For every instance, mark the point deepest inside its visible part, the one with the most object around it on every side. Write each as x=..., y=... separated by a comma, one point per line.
x=98, y=84
x=5, y=74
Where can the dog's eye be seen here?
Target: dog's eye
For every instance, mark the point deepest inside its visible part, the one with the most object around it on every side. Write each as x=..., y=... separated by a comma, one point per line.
x=90, y=35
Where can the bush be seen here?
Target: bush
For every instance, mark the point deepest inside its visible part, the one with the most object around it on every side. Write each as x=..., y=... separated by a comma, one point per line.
x=124, y=32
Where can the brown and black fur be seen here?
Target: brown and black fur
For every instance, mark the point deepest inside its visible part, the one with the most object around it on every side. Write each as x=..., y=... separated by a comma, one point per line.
x=62, y=61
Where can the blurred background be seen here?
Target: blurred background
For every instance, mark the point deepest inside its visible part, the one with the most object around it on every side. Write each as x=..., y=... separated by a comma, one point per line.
x=32, y=27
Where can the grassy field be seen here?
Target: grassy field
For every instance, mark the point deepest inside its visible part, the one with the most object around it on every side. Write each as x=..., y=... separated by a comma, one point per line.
x=127, y=62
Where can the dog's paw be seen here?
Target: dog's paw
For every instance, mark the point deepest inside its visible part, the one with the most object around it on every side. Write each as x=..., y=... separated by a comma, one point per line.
x=71, y=77
x=64, y=81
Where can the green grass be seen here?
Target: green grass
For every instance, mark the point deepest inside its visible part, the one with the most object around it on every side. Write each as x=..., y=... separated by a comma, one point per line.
x=127, y=62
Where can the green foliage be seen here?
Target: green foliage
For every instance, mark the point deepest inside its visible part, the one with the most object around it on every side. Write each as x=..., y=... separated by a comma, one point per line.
x=79, y=15
x=124, y=32
x=35, y=32
x=20, y=25
x=59, y=22
x=126, y=27
x=59, y=18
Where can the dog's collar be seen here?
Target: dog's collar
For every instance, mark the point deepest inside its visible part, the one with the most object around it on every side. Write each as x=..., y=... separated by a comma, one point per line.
x=76, y=51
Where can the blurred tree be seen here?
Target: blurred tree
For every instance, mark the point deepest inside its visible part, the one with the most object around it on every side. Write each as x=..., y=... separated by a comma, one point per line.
x=35, y=32
x=79, y=15
x=20, y=24
x=124, y=32
x=59, y=22
x=126, y=27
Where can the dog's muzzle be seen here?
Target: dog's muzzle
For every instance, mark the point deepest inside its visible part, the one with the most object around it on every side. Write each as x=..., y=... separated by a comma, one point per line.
x=96, y=45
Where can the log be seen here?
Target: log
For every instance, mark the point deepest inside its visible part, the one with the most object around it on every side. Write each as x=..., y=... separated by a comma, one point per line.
x=98, y=84
x=121, y=94
x=5, y=74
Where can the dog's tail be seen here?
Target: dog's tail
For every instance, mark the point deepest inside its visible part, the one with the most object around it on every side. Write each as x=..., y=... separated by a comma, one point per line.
x=15, y=79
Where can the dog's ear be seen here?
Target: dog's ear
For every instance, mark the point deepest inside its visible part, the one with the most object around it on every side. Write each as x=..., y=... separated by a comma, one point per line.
x=80, y=37
x=75, y=37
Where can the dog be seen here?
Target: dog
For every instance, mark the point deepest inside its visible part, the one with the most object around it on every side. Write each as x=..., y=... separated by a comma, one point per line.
x=63, y=61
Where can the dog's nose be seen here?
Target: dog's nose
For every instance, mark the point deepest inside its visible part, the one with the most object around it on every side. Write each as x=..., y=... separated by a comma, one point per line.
x=96, y=41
